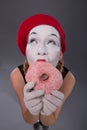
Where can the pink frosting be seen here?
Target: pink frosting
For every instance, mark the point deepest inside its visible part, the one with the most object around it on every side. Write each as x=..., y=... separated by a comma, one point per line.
x=52, y=79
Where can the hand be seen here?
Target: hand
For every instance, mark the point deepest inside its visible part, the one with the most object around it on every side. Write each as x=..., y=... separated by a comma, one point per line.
x=51, y=102
x=33, y=98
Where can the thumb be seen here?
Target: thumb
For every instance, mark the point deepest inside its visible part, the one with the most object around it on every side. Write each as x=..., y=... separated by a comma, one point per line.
x=29, y=86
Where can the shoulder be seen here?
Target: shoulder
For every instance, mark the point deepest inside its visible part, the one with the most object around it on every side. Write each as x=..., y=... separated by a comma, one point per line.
x=68, y=84
x=67, y=74
x=15, y=74
x=17, y=80
x=69, y=77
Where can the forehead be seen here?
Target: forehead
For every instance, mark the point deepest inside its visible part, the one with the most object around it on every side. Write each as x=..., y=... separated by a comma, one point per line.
x=44, y=29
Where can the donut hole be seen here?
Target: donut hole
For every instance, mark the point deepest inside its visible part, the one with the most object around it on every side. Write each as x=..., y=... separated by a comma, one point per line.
x=44, y=77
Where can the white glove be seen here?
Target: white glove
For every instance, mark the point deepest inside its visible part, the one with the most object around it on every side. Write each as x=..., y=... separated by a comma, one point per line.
x=51, y=102
x=33, y=98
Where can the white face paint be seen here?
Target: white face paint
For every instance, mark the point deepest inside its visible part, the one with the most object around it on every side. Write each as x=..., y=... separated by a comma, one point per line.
x=44, y=44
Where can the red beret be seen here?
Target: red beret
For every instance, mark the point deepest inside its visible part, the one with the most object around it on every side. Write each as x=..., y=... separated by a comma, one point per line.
x=36, y=20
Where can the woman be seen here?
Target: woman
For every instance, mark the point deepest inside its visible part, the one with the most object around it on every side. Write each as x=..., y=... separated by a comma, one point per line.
x=41, y=37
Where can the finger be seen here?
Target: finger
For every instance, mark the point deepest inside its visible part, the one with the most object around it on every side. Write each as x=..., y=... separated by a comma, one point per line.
x=51, y=107
x=34, y=102
x=58, y=94
x=45, y=110
x=37, y=108
x=29, y=86
x=36, y=94
x=53, y=100
x=33, y=94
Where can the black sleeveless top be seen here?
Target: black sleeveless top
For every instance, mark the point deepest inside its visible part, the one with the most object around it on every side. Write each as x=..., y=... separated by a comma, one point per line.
x=64, y=71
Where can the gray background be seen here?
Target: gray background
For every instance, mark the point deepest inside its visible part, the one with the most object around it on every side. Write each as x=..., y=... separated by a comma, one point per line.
x=72, y=15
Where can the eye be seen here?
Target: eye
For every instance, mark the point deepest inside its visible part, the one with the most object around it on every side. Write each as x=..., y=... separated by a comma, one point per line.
x=34, y=41
x=52, y=42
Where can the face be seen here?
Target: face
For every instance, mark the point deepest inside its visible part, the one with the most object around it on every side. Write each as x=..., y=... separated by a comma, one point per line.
x=44, y=45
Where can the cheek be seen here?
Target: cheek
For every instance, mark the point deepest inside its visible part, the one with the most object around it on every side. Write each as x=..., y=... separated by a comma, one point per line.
x=54, y=57
x=54, y=53
x=29, y=52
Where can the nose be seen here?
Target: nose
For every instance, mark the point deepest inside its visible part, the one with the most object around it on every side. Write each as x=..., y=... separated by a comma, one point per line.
x=42, y=50
x=39, y=53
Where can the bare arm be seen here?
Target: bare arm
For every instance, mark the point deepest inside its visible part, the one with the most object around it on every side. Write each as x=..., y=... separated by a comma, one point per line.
x=18, y=86
x=67, y=87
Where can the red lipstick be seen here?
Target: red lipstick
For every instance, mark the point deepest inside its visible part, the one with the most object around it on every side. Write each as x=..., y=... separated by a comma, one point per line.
x=41, y=60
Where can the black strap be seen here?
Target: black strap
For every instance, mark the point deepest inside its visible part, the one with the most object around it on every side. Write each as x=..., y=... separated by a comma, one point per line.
x=22, y=72
x=64, y=72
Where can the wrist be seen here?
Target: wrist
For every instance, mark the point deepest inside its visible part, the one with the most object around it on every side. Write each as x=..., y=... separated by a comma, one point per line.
x=29, y=118
x=47, y=120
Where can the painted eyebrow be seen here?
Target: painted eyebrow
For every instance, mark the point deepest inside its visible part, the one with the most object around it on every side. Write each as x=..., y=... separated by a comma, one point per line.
x=54, y=34
x=50, y=34
x=33, y=33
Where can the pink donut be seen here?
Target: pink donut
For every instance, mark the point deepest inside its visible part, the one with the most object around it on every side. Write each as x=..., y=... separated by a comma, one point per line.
x=45, y=75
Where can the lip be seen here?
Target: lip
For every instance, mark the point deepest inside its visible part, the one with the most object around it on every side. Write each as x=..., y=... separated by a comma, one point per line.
x=41, y=60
